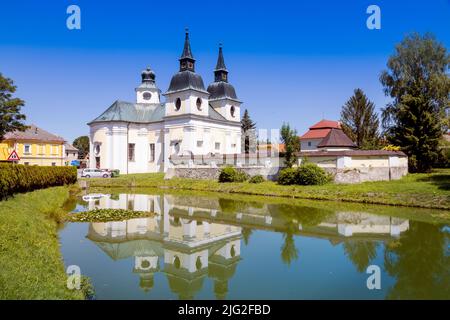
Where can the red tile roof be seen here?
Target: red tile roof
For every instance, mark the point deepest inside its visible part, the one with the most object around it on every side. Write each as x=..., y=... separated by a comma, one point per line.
x=321, y=129
x=330, y=124
x=316, y=134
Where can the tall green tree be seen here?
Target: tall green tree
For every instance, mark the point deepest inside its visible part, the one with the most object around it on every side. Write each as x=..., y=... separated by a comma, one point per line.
x=360, y=122
x=11, y=118
x=82, y=144
x=248, y=128
x=418, y=82
x=291, y=144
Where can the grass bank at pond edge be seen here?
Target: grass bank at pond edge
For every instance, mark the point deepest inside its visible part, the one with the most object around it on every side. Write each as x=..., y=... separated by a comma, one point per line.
x=30, y=258
x=415, y=190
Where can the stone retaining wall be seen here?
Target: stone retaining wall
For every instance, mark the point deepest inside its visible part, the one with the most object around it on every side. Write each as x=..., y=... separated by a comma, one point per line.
x=355, y=175
x=213, y=173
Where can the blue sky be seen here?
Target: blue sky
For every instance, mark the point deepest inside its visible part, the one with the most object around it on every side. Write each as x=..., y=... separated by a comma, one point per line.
x=295, y=61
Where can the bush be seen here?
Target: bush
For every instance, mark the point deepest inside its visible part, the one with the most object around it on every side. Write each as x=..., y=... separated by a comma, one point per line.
x=307, y=174
x=20, y=178
x=230, y=174
x=287, y=176
x=311, y=174
x=256, y=179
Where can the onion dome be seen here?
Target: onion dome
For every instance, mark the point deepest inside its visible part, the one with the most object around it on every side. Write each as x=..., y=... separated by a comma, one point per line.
x=186, y=78
x=148, y=75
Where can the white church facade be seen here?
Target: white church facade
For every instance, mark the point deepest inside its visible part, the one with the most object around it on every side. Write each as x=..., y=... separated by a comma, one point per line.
x=142, y=136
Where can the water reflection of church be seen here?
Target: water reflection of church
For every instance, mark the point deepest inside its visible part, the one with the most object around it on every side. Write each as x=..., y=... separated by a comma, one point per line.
x=191, y=249
x=194, y=238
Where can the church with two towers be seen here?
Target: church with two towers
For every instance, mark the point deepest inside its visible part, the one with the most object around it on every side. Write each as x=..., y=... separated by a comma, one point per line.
x=141, y=136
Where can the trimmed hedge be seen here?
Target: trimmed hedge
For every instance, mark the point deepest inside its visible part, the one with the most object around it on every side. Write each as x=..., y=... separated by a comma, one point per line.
x=20, y=178
x=231, y=174
x=306, y=174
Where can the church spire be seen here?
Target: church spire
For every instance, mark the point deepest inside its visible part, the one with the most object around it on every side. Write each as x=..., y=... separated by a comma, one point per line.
x=187, y=59
x=221, y=72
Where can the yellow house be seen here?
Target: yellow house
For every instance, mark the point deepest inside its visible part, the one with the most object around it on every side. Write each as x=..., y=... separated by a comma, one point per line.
x=34, y=146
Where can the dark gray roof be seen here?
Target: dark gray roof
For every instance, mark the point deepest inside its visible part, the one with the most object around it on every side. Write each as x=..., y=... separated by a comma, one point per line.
x=221, y=89
x=142, y=113
x=186, y=80
x=132, y=112
x=187, y=52
x=336, y=138
x=213, y=114
x=220, y=61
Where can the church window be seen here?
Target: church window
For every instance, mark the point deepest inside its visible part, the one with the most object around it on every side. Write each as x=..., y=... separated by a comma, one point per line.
x=97, y=149
x=178, y=104
x=177, y=262
x=147, y=95
x=217, y=145
x=232, y=111
x=199, y=103
x=152, y=152
x=198, y=263
x=131, y=152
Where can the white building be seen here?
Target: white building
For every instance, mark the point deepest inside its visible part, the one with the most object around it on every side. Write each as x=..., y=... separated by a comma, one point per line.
x=140, y=137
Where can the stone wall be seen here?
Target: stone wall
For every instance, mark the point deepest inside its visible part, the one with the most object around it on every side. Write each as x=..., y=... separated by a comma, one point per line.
x=357, y=175
x=213, y=173
x=340, y=175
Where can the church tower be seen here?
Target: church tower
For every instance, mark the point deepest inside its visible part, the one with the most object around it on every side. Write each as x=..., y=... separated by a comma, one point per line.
x=186, y=93
x=147, y=92
x=222, y=94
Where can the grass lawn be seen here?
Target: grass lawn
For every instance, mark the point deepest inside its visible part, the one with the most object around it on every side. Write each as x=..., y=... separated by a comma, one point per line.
x=415, y=190
x=30, y=259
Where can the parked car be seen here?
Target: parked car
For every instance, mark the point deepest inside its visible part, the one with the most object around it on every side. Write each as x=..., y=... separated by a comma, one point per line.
x=95, y=173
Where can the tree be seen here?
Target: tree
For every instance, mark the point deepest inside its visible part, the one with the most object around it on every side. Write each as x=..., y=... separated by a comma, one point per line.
x=291, y=144
x=417, y=81
x=82, y=144
x=248, y=128
x=10, y=117
x=360, y=122
x=419, y=262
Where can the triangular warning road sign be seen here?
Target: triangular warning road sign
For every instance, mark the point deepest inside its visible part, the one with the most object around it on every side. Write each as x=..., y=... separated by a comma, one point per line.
x=13, y=156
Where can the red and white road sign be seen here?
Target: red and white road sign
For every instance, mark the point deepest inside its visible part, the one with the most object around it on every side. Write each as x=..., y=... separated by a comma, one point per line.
x=13, y=156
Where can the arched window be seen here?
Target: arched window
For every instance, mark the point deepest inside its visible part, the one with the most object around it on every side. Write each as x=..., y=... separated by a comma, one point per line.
x=198, y=263
x=232, y=111
x=177, y=262
x=232, y=251
x=199, y=104
x=178, y=104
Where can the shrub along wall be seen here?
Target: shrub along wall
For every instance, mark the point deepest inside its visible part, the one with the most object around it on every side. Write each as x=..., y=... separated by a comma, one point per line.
x=20, y=178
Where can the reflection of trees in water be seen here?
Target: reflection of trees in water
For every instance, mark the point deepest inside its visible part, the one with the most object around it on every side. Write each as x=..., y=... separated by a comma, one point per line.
x=420, y=262
x=232, y=206
x=305, y=215
x=246, y=233
x=289, y=251
x=360, y=252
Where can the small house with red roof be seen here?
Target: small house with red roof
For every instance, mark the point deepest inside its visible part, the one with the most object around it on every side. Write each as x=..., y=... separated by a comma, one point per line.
x=325, y=135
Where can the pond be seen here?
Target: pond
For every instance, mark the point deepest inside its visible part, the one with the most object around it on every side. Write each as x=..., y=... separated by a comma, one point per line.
x=207, y=246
